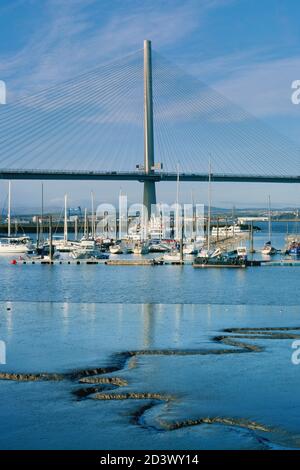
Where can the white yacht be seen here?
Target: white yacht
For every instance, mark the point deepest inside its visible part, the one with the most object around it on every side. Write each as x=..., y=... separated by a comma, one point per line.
x=228, y=231
x=64, y=246
x=268, y=249
x=17, y=245
x=88, y=249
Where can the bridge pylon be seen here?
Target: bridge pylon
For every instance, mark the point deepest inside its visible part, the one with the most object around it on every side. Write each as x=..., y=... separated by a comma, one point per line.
x=149, y=165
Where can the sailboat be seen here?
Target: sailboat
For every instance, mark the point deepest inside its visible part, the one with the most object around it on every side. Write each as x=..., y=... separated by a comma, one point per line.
x=175, y=256
x=215, y=258
x=62, y=244
x=268, y=249
x=17, y=244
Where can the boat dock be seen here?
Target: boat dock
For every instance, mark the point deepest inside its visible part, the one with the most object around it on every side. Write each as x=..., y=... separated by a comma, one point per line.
x=150, y=262
x=116, y=262
x=133, y=262
x=56, y=262
x=282, y=262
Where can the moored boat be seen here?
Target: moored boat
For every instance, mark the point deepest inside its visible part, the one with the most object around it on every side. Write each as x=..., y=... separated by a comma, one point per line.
x=219, y=261
x=117, y=249
x=141, y=249
x=294, y=248
x=268, y=249
x=242, y=252
x=157, y=246
x=11, y=245
x=172, y=258
x=189, y=249
x=88, y=249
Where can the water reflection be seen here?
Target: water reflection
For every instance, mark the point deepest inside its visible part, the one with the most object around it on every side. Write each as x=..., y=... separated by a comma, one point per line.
x=148, y=315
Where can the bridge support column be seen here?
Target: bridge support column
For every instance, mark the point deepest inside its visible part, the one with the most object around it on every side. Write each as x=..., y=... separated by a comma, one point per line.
x=149, y=186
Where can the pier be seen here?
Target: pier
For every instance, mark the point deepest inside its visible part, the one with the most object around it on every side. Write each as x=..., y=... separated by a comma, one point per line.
x=148, y=262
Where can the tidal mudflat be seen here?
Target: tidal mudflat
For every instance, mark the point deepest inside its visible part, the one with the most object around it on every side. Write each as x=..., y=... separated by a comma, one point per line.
x=89, y=375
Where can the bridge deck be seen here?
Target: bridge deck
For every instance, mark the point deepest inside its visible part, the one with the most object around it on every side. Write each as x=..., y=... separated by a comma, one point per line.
x=141, y=177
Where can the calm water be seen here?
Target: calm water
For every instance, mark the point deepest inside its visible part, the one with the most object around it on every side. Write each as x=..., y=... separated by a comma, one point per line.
x=61, y=319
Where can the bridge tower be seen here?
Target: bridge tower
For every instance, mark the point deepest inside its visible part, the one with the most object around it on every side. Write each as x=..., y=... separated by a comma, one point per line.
x=149, y=166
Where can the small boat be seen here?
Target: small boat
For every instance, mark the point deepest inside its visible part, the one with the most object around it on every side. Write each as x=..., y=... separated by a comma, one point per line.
x=63, y=244
x=88, y=249
x=17, y=244
x=43, y=253
x=156, y=246
x=11, y=245
x=190, y=249
x=85, y=253
x=242, y=252
x=117, y=249
x=141, y=249
x=46, y=257
x=222, y=260
x=294, y=249
x=172, y=258
x=106, y=241
x=268, y=249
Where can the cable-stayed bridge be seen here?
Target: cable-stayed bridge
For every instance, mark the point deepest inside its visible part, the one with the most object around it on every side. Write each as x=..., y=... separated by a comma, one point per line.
x=140, y=118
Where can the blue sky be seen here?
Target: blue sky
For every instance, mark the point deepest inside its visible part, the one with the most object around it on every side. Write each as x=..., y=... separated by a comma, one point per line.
x=247, y=50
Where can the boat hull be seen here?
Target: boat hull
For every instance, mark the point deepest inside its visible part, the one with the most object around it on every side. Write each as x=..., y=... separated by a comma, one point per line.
x=219, y=265
x=10, y=250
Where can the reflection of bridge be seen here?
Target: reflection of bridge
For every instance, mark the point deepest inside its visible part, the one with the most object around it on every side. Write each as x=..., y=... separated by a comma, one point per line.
x=140, y=176
x=94, y=127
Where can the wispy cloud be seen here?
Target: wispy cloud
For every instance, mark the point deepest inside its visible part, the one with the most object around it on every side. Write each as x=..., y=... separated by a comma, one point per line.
x=78, y=34
x=264, y=88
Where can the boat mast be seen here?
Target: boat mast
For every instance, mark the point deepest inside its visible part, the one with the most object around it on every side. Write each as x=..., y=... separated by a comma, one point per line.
x=193, y=215
x=85, y=223
x=177, y=205
x=9, y=210
x=93, y=215
x=209, y=206
x=50, y=239
x=37, y=231
x=270, y=225
x=76, y=228
x=66, y=221
x=42, y=216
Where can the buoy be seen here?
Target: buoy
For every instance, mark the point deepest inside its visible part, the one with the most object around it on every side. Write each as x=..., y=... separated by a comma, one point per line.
x=13, y=261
